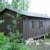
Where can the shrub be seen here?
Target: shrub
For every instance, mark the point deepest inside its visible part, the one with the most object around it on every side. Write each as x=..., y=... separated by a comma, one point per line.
x=12, y=43
x=17, y=42
x=4, y=42
x=3, y=39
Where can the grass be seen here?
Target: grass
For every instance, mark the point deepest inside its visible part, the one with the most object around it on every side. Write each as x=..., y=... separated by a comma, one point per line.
x=46, y=40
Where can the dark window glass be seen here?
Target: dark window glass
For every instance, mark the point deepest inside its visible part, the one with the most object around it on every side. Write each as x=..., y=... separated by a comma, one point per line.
x=40, y=23
x=32, y=23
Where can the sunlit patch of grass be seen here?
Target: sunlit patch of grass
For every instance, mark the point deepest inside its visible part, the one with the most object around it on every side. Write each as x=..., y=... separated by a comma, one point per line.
x=46, y=40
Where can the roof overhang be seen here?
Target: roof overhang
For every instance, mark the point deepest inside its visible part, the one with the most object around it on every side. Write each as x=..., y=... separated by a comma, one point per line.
x=24, y=13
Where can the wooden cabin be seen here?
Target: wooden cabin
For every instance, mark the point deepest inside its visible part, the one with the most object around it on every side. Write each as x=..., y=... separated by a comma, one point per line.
x=6, y=17
x=30, y=25
x=33, y=25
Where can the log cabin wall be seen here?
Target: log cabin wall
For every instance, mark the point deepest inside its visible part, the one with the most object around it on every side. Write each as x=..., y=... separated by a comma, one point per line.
x=35, y=28
x=20, y=25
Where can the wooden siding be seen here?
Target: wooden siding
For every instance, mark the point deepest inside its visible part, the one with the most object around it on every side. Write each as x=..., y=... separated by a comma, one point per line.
x=35, y=27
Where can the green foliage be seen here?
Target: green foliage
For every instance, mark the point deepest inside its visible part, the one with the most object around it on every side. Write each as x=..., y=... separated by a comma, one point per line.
x=5, y=46
x=16, y=42
x=2, y=6
x=4, y=42
x=3, y=39
x=20, y=46
x=15, y=37
x=12, y=43
x=20, y=4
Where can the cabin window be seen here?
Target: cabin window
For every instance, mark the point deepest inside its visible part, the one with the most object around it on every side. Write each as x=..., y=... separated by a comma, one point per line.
x=30, y=24
x=40, y=23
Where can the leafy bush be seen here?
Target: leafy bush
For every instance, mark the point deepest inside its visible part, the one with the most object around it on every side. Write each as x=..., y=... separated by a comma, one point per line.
x=3, y=39
x=17, y=42
x=4, y=42
x=19, y=46
x=22, y=46
x=12, y=43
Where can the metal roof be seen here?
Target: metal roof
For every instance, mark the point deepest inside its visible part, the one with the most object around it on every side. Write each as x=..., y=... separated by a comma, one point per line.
x=7, y=10
x=25, y=13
